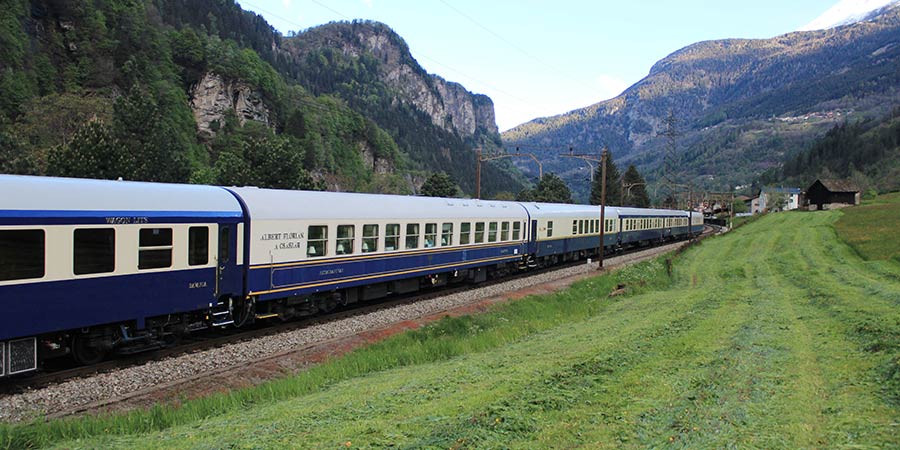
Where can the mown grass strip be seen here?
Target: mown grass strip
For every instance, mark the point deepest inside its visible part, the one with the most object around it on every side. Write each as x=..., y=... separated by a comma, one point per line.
x=445, y=339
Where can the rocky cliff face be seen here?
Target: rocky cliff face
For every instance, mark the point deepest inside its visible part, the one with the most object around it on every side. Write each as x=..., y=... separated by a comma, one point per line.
x=449, y=105
x=213, y=97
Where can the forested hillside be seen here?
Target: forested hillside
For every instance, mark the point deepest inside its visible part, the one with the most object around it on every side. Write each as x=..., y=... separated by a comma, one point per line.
x=742, y=106
x=201, y=91
x=867, y=152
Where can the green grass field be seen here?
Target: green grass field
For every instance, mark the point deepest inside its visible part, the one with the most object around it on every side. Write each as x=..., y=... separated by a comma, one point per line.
x=777, y=335
x=872, y=229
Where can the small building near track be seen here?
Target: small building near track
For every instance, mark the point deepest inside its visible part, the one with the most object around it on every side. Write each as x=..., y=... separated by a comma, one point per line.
x=831, y=194
x=773, y=199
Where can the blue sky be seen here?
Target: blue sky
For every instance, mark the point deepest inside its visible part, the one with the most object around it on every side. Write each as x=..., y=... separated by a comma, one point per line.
x=541, y=58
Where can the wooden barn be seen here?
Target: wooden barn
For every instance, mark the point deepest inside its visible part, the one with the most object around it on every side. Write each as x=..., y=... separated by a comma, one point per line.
x=830, y=194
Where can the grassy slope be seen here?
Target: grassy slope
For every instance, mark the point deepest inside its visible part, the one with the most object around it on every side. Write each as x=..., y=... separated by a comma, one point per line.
x=872, y=228
x=777, y=336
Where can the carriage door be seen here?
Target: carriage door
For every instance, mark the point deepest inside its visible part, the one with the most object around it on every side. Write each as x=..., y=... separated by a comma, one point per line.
x=223, y=262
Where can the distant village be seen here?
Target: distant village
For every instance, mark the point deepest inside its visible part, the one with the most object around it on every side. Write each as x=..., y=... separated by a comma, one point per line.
x=823, y=194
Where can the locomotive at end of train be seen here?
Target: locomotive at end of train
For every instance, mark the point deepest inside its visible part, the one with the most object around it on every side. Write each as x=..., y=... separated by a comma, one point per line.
x=90, y=268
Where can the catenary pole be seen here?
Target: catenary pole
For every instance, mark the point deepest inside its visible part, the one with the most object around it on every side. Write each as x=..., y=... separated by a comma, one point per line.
x=602, y=203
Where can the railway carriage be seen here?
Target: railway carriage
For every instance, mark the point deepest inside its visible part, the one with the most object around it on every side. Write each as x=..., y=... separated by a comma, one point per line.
x=561, y=232
x=642, y=226
x=310, y=251
x=92, y=266
x=88, y=265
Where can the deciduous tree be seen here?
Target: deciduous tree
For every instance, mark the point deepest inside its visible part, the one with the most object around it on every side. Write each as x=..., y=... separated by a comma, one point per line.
x=439, y=184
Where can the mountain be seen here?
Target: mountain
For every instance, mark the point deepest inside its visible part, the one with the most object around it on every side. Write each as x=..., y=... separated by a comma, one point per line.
x=847, y=12
x=202, y=91
x=741, y=106
x=437, y=122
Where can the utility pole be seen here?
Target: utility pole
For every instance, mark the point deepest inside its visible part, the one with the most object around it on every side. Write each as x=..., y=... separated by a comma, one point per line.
x=731, y=212
x=585, y=158
x=603, y=157
x=479, y=159
x=628, y=186
x=478, y=172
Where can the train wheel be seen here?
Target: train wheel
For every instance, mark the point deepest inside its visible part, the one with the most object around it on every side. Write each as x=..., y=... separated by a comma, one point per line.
x=83, y=352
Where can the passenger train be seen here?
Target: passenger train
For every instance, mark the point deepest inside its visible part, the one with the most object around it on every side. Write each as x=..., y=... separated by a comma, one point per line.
x=90, y=267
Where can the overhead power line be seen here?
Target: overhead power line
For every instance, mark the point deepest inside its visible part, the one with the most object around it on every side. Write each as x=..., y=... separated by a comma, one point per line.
x=558, y=71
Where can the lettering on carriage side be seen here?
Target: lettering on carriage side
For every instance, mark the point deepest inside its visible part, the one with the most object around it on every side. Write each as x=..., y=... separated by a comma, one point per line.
x=196, y=284
x=334, y=271
x=285, y=240
x=124, y=220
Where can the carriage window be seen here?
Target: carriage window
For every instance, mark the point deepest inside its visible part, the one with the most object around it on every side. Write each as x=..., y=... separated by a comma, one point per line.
x=21, y=254
x=447, y=234
x=155, y=248
x=198, y=246
x=344, y=242
x=370, y=238
x=550, y=229
x=430, y=235
x=317, y=240
x=412, y=235
x=517, y=230
x=575, y=227
x=492, y=232
x=94, y=251
x=580, y=227
x=504, y=231
x=392, y=237
x=479, y=232
x=465, y=233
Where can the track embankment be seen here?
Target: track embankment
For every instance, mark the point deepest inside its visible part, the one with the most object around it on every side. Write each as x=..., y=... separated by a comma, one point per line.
x=248, y=363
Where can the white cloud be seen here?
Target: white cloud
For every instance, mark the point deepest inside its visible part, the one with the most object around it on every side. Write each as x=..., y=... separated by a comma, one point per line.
x=610, y=86
x=843, y=12
x=367, y=3
x=286, y=3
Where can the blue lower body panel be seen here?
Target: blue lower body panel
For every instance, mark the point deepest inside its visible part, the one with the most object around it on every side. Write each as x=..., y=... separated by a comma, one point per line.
x=44, y=307
x=573, y=244
x=309, y=277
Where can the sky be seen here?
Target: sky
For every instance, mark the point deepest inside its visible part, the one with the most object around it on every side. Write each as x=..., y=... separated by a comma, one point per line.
x=539, y=58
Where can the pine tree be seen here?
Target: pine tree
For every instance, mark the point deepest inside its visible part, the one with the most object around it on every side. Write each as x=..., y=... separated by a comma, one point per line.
x=637, y=194
x=613, y=184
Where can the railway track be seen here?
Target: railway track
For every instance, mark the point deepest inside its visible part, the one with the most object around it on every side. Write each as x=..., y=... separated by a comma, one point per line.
x=62, y=370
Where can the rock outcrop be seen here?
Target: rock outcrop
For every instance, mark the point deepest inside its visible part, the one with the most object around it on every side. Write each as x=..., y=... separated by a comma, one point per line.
x=449, y=105
x=214, y=96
